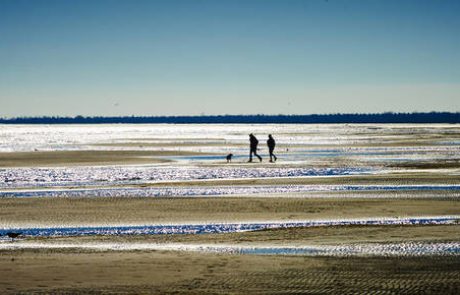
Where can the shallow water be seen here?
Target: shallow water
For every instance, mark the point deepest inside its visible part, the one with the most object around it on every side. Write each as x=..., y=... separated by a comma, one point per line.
x=374, y=249
x=64, y=137
x=301, y=153
x=320, y=138
x=103, y=175
x=225, y=190
x=212, y=228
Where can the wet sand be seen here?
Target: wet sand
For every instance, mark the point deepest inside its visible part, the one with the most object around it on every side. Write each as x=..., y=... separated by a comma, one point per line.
x=84, y=157
x=159, y=272
x=405, y=178
x=30, y=212
x=297, y=236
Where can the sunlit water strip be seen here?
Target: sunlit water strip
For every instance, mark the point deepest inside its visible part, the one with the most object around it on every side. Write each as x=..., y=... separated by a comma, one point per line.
x=213, y=228
x=59, y=137
x=101, y=175
x=368, y=249
x=225, y=190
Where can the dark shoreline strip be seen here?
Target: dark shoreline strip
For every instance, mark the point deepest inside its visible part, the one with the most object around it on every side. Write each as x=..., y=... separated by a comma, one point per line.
x=389, y=117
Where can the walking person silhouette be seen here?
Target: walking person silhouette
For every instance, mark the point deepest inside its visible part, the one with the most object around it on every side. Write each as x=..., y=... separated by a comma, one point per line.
x=253, y=142
x=271, y=147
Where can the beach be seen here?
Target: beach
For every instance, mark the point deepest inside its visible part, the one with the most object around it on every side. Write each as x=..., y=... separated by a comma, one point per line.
x=190, y=273
x=131, y=209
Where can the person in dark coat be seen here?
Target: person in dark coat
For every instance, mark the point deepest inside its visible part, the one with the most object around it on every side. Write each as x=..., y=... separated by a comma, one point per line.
x=271, y=147
x=253, y=142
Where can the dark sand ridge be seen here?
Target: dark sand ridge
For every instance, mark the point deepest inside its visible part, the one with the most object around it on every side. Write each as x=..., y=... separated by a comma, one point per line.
x=409, y=178
x=175, y=139
x=30, y=212
x=406, y=178
x=169, y=144
x=159, y=272
x=427, y=164
x=120, y=157
x=86, y=157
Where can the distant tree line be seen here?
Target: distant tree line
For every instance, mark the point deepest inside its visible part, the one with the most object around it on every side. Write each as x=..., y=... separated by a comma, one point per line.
x=432, y=117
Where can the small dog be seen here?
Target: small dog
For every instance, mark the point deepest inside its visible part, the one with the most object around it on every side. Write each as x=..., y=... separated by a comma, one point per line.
x=229, y=158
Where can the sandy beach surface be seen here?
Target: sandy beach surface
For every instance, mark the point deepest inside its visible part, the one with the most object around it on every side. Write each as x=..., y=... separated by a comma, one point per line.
x=87, y=157
x=33, y=212
x=378, y=208
x=44, y=272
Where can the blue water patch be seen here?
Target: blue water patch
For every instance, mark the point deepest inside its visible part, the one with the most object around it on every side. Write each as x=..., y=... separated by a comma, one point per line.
x=214, y=228
x=450, y=142
x=454, y=250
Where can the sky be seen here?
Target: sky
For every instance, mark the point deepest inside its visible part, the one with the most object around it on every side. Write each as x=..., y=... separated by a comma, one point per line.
x=193, y=57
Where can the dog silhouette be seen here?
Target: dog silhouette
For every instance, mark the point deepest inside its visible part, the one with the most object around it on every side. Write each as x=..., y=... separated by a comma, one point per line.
x=229, y=158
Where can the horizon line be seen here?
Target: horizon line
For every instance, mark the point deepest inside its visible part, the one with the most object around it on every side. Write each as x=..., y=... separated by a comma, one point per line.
x=384, y=117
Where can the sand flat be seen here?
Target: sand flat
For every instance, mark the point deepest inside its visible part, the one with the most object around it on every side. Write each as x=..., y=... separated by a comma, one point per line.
x=161, y=272
x=405, y=178
x=23, y=212
x=84, y=157
x=296, y=236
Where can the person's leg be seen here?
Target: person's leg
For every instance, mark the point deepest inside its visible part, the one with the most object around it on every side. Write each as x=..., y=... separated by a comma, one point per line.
x=271, y=153
x=255, y=153
x=250, y=155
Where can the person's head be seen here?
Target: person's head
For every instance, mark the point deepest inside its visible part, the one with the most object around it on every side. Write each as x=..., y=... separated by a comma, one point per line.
x=269, y=136
x=251, y=135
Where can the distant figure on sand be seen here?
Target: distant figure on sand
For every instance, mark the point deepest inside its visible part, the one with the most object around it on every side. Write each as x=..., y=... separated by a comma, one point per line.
x=271, y=147
x=253, y=142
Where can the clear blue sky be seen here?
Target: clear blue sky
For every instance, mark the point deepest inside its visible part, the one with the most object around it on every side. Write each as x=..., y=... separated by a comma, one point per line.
x=71, y=57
